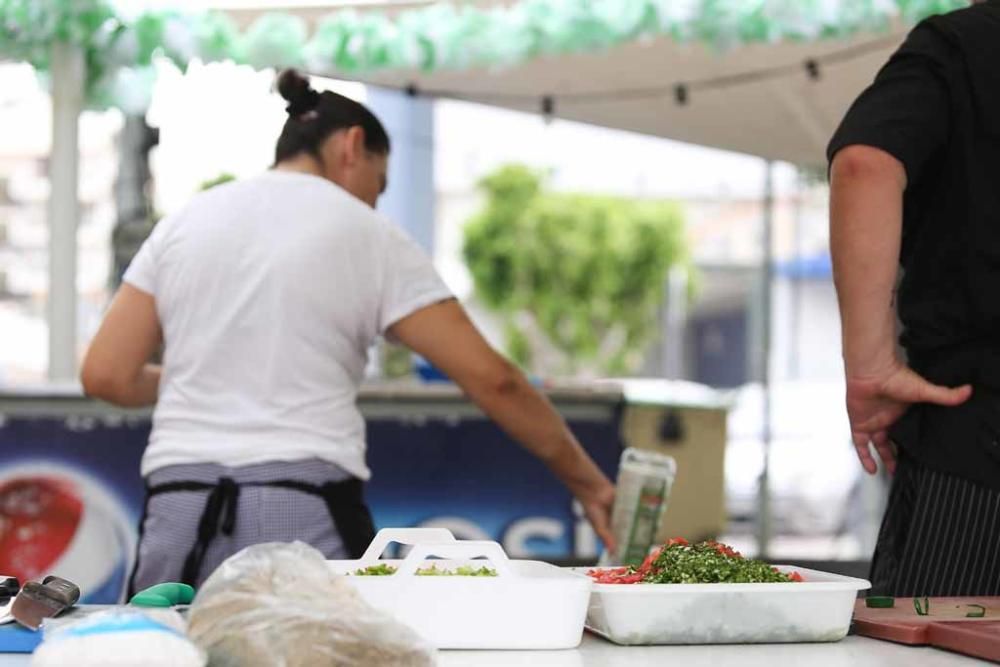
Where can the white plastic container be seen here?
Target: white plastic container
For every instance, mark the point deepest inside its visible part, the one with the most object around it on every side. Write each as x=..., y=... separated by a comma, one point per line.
x=528, y=605
x=818, y=609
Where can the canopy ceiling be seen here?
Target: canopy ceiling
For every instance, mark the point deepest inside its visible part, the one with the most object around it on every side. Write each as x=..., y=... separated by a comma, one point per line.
x=768, y=78
x=771, y=107
x=756, y=97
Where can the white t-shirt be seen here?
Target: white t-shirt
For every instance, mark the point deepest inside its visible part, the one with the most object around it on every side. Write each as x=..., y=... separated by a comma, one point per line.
x=270, y=292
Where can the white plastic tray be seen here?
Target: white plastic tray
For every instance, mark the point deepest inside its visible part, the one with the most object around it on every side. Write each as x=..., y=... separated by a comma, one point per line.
x=528, y=605
x=818, y=609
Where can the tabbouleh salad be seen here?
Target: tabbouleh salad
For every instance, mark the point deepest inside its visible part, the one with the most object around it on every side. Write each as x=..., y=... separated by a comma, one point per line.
x=679, y=562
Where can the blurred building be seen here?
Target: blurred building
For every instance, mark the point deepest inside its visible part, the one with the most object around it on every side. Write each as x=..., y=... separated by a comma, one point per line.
x=25, y=133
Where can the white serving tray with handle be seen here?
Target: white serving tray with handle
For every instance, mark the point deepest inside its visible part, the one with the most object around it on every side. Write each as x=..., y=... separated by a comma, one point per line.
x=817, y=609
x=528, y=605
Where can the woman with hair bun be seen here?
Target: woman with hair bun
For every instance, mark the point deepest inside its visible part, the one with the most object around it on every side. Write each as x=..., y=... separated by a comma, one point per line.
x=266, y=295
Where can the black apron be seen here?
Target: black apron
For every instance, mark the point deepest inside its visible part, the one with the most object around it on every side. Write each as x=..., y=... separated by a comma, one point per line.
x=344, y=500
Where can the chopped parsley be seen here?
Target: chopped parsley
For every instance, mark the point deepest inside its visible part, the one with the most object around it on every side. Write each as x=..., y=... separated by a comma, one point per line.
x=679, y=562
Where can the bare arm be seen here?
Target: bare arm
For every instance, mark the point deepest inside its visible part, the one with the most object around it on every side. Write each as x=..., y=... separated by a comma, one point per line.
x=116, y=367
x=866, y=220
x=444, y=335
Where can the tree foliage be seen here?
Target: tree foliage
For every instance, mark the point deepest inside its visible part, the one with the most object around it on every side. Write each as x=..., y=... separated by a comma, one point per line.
x=221, y=179
x=584, y=272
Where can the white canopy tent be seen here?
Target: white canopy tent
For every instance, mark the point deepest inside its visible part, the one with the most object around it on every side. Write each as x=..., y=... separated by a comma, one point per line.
x=758, y=99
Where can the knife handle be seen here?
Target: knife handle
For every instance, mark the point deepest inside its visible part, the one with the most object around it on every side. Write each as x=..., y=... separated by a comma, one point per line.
x=9, y=587
x=63, y=591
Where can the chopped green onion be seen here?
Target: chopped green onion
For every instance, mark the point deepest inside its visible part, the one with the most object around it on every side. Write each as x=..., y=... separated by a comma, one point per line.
x=462, y=571
x=380, y=570
x=980, y=611
x=922, y=609
x=383, y=570
x=880, y=602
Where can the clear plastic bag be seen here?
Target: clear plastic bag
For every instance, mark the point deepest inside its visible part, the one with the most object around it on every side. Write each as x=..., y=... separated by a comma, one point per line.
x=279, y=605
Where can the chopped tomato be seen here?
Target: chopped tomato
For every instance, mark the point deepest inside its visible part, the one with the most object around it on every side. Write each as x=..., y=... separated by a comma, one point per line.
x=647, y=564
x=616, y=575
x=677, y=540
x=598, y=572
x=796, y=577
x=724, y=549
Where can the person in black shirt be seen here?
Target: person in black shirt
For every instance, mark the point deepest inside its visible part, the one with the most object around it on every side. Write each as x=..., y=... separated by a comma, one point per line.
x=915, y=195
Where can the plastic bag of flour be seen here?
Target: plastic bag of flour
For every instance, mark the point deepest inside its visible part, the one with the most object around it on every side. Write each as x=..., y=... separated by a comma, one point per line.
x=119, y=637
x=279, y=605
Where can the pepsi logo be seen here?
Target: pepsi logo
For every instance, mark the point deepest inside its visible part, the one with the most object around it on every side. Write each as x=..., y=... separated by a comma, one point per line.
x=55, y=519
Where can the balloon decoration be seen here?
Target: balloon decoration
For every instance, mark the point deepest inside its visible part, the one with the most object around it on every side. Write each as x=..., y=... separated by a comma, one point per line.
x=121, y=44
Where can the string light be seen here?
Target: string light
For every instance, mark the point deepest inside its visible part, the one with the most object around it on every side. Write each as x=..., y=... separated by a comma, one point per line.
x=681, y=94
x=681, y=91
x=812, y=69
x=548, y=108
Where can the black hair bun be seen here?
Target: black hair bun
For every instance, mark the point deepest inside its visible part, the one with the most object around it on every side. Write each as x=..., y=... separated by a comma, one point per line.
x=295, y=88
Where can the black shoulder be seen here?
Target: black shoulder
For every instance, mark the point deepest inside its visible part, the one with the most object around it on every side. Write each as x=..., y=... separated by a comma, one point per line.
x=974, y=26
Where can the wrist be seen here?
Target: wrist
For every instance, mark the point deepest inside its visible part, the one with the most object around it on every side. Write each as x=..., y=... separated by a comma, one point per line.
x=582, y=477
x=870, y=364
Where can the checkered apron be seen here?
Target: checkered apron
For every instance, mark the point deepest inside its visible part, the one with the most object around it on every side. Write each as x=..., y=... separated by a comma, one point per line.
x=196, y=516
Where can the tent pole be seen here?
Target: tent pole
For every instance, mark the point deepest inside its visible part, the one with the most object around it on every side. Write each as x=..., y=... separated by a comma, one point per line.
x=763, y=489
x=63, y=208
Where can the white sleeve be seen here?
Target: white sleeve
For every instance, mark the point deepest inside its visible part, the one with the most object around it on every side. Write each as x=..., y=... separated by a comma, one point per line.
x=141, y=271
x=409, y=280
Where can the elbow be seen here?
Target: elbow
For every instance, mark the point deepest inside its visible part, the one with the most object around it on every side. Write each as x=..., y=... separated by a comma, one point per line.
x=510, y=380
x=99, y=383
x=503, y=380
x=859, y=163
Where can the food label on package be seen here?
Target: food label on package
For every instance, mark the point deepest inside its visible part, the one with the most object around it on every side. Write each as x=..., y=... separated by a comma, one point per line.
x=643, y=490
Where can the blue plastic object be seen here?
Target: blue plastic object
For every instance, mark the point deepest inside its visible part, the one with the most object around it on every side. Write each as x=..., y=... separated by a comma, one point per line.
x=427, y=372
x=16, y=639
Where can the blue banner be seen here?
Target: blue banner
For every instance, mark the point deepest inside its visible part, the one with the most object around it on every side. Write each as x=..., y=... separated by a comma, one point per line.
x=71, y=495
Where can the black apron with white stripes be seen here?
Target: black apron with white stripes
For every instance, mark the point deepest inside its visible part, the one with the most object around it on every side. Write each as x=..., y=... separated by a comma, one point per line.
x=941, y=532
x=940, y=536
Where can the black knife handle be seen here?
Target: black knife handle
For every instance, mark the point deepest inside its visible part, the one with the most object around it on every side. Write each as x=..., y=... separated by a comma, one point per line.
x=9, y=587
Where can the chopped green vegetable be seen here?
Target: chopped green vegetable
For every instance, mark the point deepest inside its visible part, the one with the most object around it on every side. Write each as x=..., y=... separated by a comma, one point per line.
x=923, y=608
x=878, y=602
x=978, y=612
x=462, y=571
x=380, y=570
x=383, y=570
x=709, y=563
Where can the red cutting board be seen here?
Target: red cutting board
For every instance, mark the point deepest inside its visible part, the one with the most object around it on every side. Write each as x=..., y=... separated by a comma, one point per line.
x=946, y=626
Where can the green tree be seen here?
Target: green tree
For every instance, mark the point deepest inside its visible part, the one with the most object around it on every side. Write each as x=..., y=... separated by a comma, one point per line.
x=585, y=273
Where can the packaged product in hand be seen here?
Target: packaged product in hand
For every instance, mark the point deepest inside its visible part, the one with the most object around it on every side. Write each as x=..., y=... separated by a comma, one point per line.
x=642, y=493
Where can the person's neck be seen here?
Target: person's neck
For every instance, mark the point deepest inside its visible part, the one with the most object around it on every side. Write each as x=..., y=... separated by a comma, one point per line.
x=302, y=164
